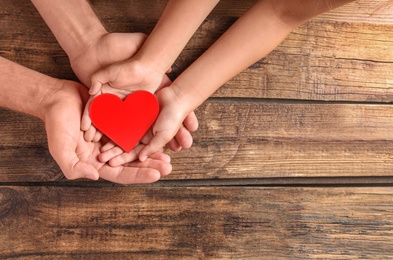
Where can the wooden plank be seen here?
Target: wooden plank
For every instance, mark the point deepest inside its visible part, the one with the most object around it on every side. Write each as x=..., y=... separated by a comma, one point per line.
x=24, y=153
x=241, y=139
x=324, y=59
x=370, y=11
x=185, y=223
x=321, y=60
x=25, y=39
x=282, y=139
x=367, y=11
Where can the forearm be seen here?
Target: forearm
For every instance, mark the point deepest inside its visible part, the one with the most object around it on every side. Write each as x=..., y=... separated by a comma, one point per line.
x=177, y=24
x=73, y=22
x=252, y=37
x=23, y=89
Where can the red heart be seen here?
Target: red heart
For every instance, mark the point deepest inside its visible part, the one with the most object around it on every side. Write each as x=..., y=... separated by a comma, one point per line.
x=126, y=122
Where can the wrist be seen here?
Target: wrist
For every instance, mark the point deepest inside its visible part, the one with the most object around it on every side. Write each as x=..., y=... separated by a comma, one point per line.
x=73, y=23
x=147, y=60
x=48, y=97
x=25, y=90
x=84, y=39
x=183, y=98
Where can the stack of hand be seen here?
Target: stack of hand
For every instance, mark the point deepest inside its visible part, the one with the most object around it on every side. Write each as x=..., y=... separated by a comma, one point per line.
x=101, y=58
x=121, y=63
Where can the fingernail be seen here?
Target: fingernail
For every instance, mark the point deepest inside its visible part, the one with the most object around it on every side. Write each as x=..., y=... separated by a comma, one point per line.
x=143, y=158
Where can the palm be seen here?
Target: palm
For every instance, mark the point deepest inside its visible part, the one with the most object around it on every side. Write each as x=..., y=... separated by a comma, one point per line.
x=78, y=158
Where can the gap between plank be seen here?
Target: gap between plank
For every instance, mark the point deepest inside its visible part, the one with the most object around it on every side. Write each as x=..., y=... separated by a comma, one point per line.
x=385, y=181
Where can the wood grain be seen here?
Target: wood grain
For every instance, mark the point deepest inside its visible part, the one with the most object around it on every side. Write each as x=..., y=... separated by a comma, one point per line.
x=283, y=139
x=185, y=223
x=242, y=139
x=325, y=59
x=321, y=60
x=274, y=172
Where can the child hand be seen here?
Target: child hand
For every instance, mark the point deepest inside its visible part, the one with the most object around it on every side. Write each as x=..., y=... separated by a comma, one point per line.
x=121, y=78
x=115, y=156
x=91, y=134
x=172, y=122
x=129, y=75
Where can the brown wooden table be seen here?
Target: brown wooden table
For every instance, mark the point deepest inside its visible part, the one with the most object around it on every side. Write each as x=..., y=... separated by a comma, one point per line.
x=293, y=157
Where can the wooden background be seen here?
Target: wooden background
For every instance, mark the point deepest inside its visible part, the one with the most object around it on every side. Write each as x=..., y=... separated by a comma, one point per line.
x=293, y=157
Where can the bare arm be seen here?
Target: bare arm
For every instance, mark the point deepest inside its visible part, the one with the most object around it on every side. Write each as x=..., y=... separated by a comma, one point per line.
x=23, y=89
x=177, y=24
x=59, y=103
x=252, y=37
x=73, y=22
x=145, y=70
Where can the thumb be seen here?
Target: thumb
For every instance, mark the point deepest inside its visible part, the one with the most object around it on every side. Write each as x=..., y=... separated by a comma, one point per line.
x=158, y=141
x=102, y=77
x=76, y=169
x=62, y=143
x=70, y=164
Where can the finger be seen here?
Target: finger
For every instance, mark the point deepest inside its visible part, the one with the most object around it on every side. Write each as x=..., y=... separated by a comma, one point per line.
x=136, y=172
x=158, y=141
x=95, y=88
x=123, y=158
x=184, y=138
x=109, y=154
x=163, y=167
x=161, y=156
x=133, y=155
x=191, y=122
x=85, y=170
x=86, y=121
x=105, y=76
x=169, y=70
x=129, y=175
x=97, y=136
x=89, y=134
x=109, y=145
x=72, y=167
x=147, y=137
x=63, y=151
x=174, y=145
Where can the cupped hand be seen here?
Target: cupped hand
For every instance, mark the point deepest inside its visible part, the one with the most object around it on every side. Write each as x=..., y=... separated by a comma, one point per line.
x=78, y=158
x=172, y=127
x=114, y=155
x=117, y=49
x=107, y=49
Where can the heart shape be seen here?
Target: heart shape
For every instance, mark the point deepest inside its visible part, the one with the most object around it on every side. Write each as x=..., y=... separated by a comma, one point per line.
x=124, y=122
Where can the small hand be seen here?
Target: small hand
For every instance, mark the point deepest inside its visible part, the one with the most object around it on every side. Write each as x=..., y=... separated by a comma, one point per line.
x=114, y=155
x=171, y=124
x=78, y=158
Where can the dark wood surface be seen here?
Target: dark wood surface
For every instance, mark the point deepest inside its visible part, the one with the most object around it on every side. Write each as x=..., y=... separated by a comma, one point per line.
x=293, y=157
x=203, y=222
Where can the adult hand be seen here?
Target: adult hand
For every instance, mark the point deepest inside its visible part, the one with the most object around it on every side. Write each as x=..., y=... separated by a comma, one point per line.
x=78, y=158
x=116, y=48
x=106, y=49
